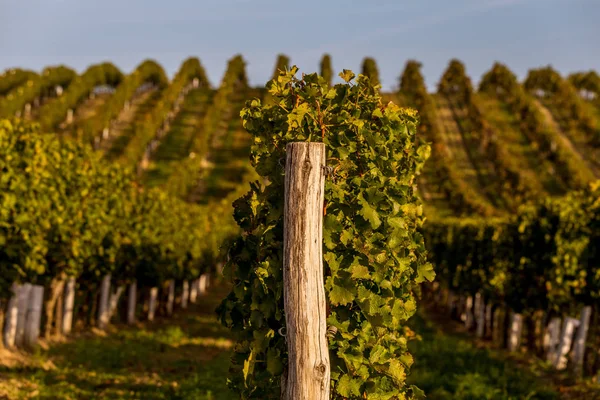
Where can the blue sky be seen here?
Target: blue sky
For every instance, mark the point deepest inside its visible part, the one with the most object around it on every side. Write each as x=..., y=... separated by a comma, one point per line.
x=521, y=33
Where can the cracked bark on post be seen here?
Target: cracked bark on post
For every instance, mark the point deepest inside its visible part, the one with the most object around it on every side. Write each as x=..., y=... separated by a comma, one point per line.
x=308, y=370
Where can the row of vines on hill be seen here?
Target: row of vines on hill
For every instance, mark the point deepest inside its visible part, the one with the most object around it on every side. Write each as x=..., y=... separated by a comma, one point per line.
x=65, y=212
x=510, y=179
x=189, y=170
x=501, y=82
x=145, y=131
x=461, y=197
x=567, y=106
x=55, y=111
x=13, y=78
x=33, y=89
x=148, y=72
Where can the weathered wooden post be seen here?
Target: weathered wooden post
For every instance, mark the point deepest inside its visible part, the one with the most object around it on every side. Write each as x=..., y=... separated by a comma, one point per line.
x=552, y=338
x=34, y=315
x=12, y=316
x=67, y=322
x=152, y=303
x=202, y=284
x=103, y=306
x=114, y=301
x=488, y=320
x=171, y=297
x=194, y=291
x=469, y=314
x=580, y=339
x=515, y=329
x=569, y=326
x=308, y=373
x=131, y=300
x=480, y=315
x=23, y=300
x=185, y=293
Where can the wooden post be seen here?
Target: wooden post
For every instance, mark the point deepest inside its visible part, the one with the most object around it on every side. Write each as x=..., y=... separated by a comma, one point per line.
x=131, y=299
x=202, y=284
x=461, y=308
x=308, y=371
x=552, y=338
x=70, y=116
x=23, y=299
x=34, y=315
x=469, y=320
x=67, y=322
x=194, y=291
x=488, y=320
x=12, y=316
x=515, y=329
x=498, y=326
x=560, y=359
x=580, y=338
x=114, y=301
x=152, y=303
x=171, y=297
x=185, y=293
x=103, y=309
x=451, y=298
x=480, y=317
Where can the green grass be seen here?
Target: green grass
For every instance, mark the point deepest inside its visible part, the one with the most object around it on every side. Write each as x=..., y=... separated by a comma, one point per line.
x=185, y=357
x=450, y=366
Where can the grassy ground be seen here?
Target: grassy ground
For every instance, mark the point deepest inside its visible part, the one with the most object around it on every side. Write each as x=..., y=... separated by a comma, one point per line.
x=448, y=365
x=185, y=357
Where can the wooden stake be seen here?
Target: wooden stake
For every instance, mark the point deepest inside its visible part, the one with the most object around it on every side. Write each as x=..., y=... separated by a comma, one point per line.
x=67, y=322
x=12, y=317
x=23, y=299
x=131, y=300
x=103, y=307
x=152, y=303
x=185, y=293
x=308, y=371
x=171, y=297
x=114, y=301
x=34, y=315
x=194, y=291
x=202, y=284
x=488, y=320
x=480, y=315
x=515, y=329
x=552, y=338
x=580, y=338
x=569, y=326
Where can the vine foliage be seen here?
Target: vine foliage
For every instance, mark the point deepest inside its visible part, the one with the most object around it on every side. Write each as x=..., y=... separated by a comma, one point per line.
x=374, y=255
